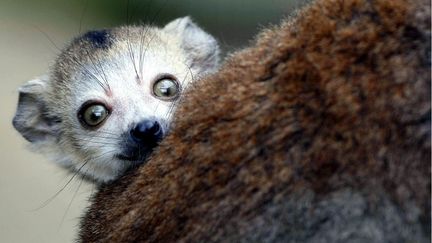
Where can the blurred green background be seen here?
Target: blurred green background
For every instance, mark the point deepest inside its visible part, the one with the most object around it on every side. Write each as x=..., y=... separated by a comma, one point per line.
x=31, y=34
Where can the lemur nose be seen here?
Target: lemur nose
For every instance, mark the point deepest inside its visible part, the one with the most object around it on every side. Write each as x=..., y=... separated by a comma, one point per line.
x=147, y=131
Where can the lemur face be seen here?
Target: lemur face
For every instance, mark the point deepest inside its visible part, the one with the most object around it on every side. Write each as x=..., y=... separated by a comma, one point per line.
x=110, y=96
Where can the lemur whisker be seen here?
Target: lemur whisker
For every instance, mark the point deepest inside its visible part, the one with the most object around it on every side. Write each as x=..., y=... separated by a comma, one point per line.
x=100, y=142
x=101, y=155
x=74, y=59
x=101, y=136
x=103, y=73
x=128, y=43
x=49, y=200
x=152, y=21
x=82, y=16
x=131, y=53
x=98, y=157
x=107, y=135
x=103, y=76
x=95, y=143
x=127, y=12
x=172, y=106
x=141, y=58
x=146, y=48
x=70, y=202
x=137, y=9
x=47, y=36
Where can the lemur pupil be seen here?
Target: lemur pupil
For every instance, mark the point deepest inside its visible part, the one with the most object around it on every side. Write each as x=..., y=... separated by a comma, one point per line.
x=166, y=88
x=165, y=91
x=97, y=113
x=96, y=116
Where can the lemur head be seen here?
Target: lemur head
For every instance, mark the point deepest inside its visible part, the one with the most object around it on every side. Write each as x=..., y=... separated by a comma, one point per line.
x=108, y=99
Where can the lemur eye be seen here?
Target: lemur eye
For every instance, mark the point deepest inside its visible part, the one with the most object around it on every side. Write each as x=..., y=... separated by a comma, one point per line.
x=166, y=88
x=93, y=114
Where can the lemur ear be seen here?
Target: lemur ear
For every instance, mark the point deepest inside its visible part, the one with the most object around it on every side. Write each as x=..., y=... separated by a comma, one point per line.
x=31, y=118
x=201, y=47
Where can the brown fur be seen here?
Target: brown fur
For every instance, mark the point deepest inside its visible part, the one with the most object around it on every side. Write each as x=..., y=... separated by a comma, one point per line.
x=333, y=104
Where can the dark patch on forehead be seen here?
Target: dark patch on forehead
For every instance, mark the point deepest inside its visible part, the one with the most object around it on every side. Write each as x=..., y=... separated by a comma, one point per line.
x=98, y=38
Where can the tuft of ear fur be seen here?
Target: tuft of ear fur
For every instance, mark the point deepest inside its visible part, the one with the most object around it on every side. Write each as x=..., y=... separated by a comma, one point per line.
x=201, y=47
x=31, y=119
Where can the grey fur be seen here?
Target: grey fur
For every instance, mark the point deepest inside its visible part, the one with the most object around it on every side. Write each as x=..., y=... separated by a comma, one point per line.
x=346, y=215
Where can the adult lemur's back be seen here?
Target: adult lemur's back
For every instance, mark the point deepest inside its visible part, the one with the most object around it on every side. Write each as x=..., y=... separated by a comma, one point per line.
x=320, y=132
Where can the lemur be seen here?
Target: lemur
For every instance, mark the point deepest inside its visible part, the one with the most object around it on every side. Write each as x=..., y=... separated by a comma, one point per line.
x=318, y=132
x=109, y=97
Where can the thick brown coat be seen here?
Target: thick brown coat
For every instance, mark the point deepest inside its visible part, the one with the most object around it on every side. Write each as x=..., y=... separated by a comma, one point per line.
x=318, y=132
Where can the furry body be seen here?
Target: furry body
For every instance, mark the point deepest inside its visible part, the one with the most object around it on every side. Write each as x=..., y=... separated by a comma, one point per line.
x=319, y=132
